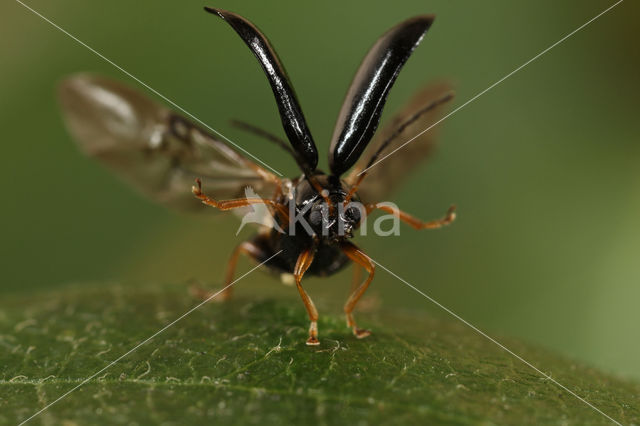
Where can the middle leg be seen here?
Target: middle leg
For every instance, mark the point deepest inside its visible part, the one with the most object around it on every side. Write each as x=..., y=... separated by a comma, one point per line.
x=362, y=260
x=302, y=264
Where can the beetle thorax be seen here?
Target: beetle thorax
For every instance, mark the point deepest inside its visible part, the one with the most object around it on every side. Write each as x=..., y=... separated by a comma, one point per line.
x=325, y=214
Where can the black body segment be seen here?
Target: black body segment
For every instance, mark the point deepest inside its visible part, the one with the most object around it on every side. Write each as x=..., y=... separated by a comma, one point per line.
x=362, y=107
x=293, y=120
x=328, y=259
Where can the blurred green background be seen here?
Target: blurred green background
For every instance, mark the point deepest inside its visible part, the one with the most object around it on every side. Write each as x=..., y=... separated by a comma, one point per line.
x=544, y=168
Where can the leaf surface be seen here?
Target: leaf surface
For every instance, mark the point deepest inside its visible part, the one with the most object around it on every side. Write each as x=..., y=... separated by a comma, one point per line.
x=245, y=362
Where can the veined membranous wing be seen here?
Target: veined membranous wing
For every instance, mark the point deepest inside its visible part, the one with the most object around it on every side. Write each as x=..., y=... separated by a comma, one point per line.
x=154, y=149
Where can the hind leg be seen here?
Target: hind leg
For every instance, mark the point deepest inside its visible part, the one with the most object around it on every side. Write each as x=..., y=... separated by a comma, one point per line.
x=302, y=264
x=247, y=248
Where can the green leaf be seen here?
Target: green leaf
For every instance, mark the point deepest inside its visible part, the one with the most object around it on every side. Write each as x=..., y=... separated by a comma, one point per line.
x=246, y=362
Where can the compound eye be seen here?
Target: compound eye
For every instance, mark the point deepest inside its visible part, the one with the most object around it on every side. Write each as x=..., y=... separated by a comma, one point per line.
x=315, y=218
x=352, y=214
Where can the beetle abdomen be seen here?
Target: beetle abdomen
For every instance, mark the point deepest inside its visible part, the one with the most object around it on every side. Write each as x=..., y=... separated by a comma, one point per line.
x=328, y=260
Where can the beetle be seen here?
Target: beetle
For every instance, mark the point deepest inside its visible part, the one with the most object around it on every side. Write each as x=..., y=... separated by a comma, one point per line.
x=162, y=153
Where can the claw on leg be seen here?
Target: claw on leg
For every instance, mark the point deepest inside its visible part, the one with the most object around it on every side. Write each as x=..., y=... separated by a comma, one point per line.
x=198, y=292
x=313, y=334
x=361, y=333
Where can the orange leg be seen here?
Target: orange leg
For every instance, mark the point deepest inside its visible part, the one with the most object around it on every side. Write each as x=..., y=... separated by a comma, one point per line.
x=302, y=264
x=246, y=248
x=357, y=277
x=362, y=260
x=413, y=221
x=234, y=204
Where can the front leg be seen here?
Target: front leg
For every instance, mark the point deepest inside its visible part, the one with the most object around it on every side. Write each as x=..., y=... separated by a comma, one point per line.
x=413, y=221
x=240, y=202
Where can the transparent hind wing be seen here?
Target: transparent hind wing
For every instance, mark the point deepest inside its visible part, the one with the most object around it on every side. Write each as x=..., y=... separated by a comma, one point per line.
x=155, y=150
x=383, y=178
